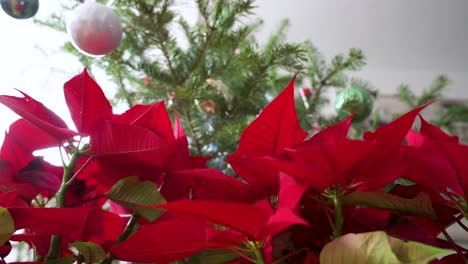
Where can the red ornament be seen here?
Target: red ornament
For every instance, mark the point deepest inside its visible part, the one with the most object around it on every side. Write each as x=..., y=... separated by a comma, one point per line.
x=307, y=92
x=148, y=81
x=208, y=106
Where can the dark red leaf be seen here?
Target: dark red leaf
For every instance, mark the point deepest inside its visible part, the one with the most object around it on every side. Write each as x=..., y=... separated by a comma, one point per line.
x=406, y=228
x=41, y=175
x=38, y=115
x=171, y=240
x=5, y=249
x=86, y=102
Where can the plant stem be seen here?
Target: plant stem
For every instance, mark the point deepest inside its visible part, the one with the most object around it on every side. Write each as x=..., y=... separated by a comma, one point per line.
x=54, y=250
x=192, y=131
x=129, y=228
x=257, y=252
x=339, y=221
x=125, y=234
x=449, y=238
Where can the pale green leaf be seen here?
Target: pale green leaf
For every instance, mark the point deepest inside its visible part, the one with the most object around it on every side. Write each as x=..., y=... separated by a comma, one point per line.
x=7, y=225
x=377, y=248
x=414, y=252
x=132, y=193
x=91, y=252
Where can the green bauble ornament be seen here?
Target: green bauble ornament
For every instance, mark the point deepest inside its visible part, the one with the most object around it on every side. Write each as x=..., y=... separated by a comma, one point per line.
x=354, y=100
x=20, y=9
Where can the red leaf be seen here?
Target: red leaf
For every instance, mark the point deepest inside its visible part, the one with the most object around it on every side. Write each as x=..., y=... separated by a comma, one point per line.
x=457, y=154
x=40, y=242
x=313, y=166
x=206, y=184
x=431, y=167
x=390, y=136
x=291, y=192
x=181, y=159
x=11, y=199
x=171, y=240
x=102, y=227
x=285, y=215
x=153, y=117
x=275, y=128
x=260, y=172
x=244, y=218
x=40, y=140
x=86, y=102
x=57, y=221
x=434, y=133
x=131, y=140
x=105, y=171
x=211, y=184
x=14, y=152
x=40, y=116
x=330, y=136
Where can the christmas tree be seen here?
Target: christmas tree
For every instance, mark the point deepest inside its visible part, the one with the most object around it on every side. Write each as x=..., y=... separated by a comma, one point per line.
x=216, y=75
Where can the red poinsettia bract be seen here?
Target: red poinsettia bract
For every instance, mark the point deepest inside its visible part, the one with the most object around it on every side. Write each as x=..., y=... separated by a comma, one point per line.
x=129, y=189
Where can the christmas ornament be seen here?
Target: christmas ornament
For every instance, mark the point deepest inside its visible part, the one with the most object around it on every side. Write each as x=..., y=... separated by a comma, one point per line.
x=20, y=9
x=208, y=106
x=94, y=29
x=354, y=100
x=148, y=81
x=307, y=92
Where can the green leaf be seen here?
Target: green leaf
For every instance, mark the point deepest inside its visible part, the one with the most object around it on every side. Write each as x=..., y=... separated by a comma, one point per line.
x=213, y=257
x=91, y=252
x=419, y=205
x=7, y=225
x=132, y=193
x=65, y=260
x=377, y=247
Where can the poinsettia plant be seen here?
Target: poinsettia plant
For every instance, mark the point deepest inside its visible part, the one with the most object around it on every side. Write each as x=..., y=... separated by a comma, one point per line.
x=129, y=189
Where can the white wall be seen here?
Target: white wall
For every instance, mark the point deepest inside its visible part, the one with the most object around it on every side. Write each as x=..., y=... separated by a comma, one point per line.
x=405, y=41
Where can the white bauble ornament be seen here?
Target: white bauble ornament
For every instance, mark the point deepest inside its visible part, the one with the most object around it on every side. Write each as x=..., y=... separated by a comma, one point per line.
x=94, y=29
